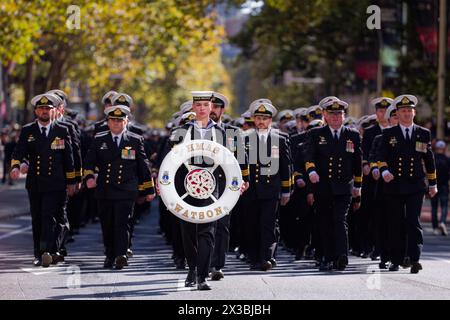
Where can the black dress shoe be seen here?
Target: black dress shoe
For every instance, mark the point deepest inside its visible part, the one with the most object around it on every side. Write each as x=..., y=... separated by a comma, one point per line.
x=191, y=279
x=37, y=262
x=46, y=259
x=341, y=262
x=266, y=266
x=108, y=263
x=63, y=252
x=394, y=267
x=415, y=267
x=273, y=262
x=120, y=262
x=203, y=285
x=325, y=266
x=216, y=275
x=406, y=263
x=255, y=266
x=57, y=257
x=382, y=265
x=129, y=253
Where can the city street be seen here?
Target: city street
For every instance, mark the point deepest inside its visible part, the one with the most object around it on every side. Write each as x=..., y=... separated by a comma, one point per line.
x=151, y=274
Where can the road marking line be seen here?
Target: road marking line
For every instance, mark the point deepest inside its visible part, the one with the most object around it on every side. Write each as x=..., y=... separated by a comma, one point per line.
x=13, y=233
x=40, y=271
x=9, y=226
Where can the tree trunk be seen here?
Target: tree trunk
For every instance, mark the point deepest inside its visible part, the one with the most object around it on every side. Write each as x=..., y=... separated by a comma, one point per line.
x=29, y=89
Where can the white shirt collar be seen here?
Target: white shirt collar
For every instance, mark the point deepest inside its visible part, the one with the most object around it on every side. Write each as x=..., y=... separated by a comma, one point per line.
x=382, y=128
x=411, y=127
x=46, y=126
x=118, y=135
x=263, y=133
x=338, y=131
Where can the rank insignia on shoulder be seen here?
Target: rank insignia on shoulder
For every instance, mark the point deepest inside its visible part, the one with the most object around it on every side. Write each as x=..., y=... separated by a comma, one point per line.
x=58, y=144
x=350, y=147
x=128, y=153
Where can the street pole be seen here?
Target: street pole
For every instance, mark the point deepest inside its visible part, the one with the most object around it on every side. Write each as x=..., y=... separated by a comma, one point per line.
x=441, y=67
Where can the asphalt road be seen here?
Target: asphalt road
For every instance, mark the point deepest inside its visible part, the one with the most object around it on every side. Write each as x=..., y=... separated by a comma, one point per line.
x=151, y=274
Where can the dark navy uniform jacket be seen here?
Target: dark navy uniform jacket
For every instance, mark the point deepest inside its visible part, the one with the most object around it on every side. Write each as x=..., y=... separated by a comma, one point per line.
x=123, y=171
x=406, y=160
x=338, y=164
x=50, y=159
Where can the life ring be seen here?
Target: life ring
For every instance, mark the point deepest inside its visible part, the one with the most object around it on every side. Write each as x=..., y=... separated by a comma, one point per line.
x=199, y=183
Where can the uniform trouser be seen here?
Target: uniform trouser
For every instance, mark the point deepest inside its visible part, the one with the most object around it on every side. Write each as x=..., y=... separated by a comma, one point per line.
x=47, y=220
x=261, y=229
x=405, y=231
x=221, y=242
x=114, y=215
x=332, y=211
x=164, y=221
x=177, y=242
x=381, y=225
x=242, y=218
x=235, y=228
x=442, y=198
x=365, y=230
x=74, y=210
x=302, y=221
x=198, y=242
x=139, y=209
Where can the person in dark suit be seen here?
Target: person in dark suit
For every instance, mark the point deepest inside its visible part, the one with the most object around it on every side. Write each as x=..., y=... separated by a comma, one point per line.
x=123, y=175
x=367, y=215
x=47, y=147
x=72, y=210
x=333, y=162
x=380, y=205
x=198, y=239
x=235, y=144
x=402, y=152
x=270, y=185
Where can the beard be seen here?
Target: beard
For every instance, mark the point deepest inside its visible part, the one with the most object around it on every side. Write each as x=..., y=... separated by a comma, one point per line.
x=44, y=118
x=214, y=116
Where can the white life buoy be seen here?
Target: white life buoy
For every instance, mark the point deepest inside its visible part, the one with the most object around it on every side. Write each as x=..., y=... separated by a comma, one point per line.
x=199, y=183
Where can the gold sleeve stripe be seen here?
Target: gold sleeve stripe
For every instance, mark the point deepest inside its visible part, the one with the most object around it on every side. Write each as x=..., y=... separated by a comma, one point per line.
x=358, y=179
x=431, y=176
x=70, y=175
x=88, y=172
x=286, y=183
x=245, y=172
x=309, y=165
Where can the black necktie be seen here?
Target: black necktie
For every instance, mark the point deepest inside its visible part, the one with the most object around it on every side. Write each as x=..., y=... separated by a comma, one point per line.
x=408, y=139
x=116, y=141
x=44, y=132
x=336, y=138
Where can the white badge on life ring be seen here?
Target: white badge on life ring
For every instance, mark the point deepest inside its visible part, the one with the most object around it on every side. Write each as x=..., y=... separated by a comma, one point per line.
x=199, y=183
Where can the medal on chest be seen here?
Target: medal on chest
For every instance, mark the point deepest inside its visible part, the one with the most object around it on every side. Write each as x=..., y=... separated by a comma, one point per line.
x=128, y=153
x=58, y=144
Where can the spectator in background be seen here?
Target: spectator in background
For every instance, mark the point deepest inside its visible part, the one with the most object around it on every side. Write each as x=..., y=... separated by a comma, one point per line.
x=443, y=175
